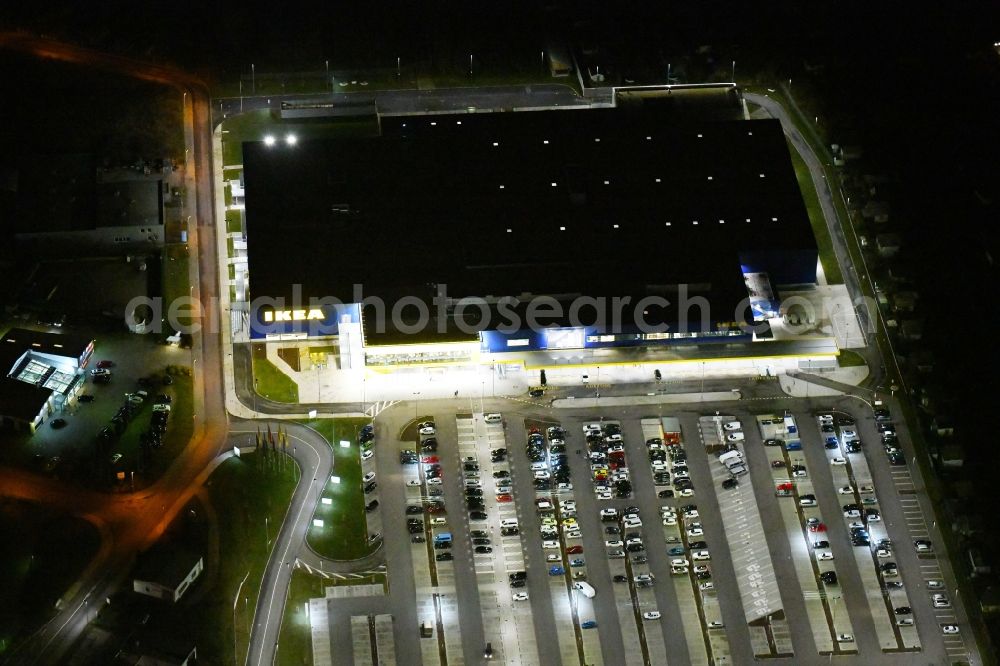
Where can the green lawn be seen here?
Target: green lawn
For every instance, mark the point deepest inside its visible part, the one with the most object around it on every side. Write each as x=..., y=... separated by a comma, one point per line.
x=827, y=255
x=41, y=555
x=228, y=193
x=254, y=125
x=231, y=174
x=234, y=223
x=243, y=492
x=344, y=535
x=176, y=281
x=271, y=382
x=295, y=639
x=850, y=359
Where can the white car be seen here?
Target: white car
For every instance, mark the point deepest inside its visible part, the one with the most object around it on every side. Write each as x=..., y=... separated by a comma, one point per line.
x=550, y=544
x=846, y=490
x=853, y=513
x=427, y=430
x=935, y=585
x=883, y=553
x=866, y=489
x=632, y=522
x=949, y=629
x=651, y=615
x=845, y=638
x=609, y=513
x=367, y=454
x=614, y=544
x=800, y=473
x=825, y=555
x=439, y=521
x=434, y=482
x=605, y=494
x=693, y=513
x=708, y=585
x=669, y=521
x=553, y=557
x=808, y=501
x=716, y=625
x=687, y=492
x=838, y=461
x=520, y=596
x=679, y=562
x=473, y=483
x=370, y=476
x=696, y=532
x=413, y=482
x=905, y=621
x=701, y=568
x=564, y=487
x=940, y=601
x=568, y=505
x=735, y=437
x=644, y=577
x=542, y=474
x=543, y=503
x=574, y=534
x=733, y=425
x=848, y=434
x=633, y=541
x=700, y=555
x=678, y=571
x=681, y=475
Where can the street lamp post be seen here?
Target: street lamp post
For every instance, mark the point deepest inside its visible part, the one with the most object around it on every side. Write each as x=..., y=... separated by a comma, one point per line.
x=253, y=78
x=399, y=72
x=734, y=71
x=267, y=534
x=470, y=64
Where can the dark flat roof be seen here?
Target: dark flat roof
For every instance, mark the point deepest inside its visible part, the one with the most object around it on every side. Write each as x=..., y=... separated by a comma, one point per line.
x=615, y=203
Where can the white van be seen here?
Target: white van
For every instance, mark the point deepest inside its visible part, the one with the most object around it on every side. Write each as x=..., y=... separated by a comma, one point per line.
x=492, y=418
x=730, y=455
x=586, y=588
x=733, y=425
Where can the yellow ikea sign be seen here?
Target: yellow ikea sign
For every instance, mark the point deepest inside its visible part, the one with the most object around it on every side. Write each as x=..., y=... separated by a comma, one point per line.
x=293, y=315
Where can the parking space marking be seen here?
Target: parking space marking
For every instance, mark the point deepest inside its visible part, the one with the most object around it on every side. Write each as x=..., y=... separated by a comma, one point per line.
x=699, y=642
x=509, y=631
x=744, y=532
x=361, y=641
x=383, y=639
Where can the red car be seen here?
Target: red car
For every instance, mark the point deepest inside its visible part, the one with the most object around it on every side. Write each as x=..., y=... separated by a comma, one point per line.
x=429, y=460
x=504, y=497
x=574, y=550
x=105, y=364
x=819, y=527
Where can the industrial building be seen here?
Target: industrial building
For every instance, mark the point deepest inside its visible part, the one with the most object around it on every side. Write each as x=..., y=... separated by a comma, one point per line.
x=41, y=372
x=436, y=241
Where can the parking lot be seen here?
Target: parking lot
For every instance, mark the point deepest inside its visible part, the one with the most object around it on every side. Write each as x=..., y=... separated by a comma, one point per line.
x=615, y=537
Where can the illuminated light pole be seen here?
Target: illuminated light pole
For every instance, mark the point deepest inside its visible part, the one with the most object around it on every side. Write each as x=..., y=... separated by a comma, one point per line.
x=470, y=64
x=253, y=78
x=734, y=71
x=399, y=72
